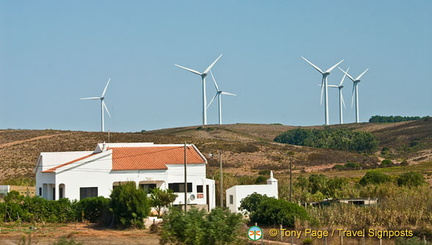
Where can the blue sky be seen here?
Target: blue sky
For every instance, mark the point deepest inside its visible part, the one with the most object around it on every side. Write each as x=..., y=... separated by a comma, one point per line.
x=54, y=52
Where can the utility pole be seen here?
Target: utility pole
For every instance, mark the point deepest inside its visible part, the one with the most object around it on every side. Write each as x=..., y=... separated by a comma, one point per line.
x=185, y=178
x=221, y=178
x=290, y=154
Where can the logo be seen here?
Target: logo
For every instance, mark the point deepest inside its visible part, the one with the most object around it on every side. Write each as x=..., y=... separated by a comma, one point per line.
x=255, y=233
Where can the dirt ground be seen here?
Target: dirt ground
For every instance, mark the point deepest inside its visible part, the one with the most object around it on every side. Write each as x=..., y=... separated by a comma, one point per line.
x=11, y=234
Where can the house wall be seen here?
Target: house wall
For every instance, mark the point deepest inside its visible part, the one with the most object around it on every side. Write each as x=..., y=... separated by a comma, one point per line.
x=241, y=191
x=95, y=171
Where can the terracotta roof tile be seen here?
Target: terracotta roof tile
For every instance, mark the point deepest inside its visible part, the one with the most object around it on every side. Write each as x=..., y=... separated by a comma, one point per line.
x=156, y=157
x=51, y=170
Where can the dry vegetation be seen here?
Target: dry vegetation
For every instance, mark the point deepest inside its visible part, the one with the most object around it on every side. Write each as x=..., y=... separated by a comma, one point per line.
x=247, y=148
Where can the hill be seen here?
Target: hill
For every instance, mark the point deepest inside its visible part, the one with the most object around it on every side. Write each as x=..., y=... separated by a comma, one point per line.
x=247, y=148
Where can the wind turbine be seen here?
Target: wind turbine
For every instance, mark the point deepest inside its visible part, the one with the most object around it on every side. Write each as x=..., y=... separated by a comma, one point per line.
x=203, y=76
x=324, y=85
x=341, y=99
x=219, y=94
x=355, y=91
x=103, y=105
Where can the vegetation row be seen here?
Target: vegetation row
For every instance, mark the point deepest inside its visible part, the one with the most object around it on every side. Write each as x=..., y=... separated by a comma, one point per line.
x=330, y=138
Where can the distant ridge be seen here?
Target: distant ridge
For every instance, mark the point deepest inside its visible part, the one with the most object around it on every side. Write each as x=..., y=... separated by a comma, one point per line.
x=247, y=148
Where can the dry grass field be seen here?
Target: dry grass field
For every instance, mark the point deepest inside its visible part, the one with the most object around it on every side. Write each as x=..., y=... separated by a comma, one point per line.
x=247, y=148
x=79, y=232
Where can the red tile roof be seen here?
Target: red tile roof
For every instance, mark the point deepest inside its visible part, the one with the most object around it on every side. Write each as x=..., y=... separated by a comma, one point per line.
x=155, y=157
x=146, y=158
x=52, y=170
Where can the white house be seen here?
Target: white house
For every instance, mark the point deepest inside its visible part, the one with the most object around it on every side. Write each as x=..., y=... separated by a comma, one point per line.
x=77, y=175
x=236, y=193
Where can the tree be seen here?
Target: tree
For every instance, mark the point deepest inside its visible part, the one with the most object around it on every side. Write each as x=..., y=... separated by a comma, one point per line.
x=129, y=205
x=374, y=177
x=160, y=199
x=411, y=179
x=271, y=211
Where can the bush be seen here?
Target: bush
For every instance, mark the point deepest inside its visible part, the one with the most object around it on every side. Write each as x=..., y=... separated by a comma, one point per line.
x=93, y=209
x=271, y=211
x=411, y=179
x=386, y=163
x=374, y=177
x=220, y=226
x=129, y=206
x=160, y=199
x=339, y=139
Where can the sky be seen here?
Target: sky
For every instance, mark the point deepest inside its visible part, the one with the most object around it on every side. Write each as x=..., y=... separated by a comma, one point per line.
x=54, y=52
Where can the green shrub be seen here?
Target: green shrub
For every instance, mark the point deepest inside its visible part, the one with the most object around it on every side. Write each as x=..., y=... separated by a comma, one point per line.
x=386, y=163
x=129, y=206
x=195, y=226
x=271, y=211
x=352, y=166
x=339, y=139
x=374, y=177
x=160, y=199
x=260, y=180
x=411, y=179
x=93, y=209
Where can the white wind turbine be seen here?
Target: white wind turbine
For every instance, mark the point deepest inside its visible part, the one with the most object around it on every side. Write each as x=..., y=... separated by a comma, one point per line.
x=341, y=99
x=324, y=86
x=355, y=91
x=103, y=106
x=203, y=76
x=219, y=94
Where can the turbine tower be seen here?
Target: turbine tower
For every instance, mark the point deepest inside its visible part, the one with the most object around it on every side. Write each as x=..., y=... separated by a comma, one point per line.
x=324, y=86
x=219, y=94
x=355, y=91
x=341, y=99
x=203, y=76
x=103, y=105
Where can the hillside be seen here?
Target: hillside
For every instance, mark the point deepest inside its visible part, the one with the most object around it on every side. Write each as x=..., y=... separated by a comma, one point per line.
x=247, y=148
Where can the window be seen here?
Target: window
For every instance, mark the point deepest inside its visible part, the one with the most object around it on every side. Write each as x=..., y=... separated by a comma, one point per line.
x=231, y=199
x=179, y=187
x=61, y=192
x=88, y=192
x=200, y=189
x=40, y=191
x=147, y=187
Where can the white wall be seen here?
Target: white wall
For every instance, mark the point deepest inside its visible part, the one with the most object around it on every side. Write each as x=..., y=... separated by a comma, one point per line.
x=241, y=191
x=95, y=171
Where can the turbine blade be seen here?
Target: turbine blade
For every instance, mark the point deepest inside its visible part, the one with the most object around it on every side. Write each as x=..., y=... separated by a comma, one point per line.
x=226, y=93
x=332, y=86
x=211, y=101
x=212, y=64
x=352, y=96
x=214, y=81
x=331, y=68
x=106, y=86
x=188, y=69
x=91, y=98
x=106, y=108
x=314, y=66
x=343, y=78
x=348, y=75
x=343, y=101
x=358, y=78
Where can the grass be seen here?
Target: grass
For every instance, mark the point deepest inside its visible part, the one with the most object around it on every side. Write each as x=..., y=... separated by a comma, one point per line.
x=247, y=148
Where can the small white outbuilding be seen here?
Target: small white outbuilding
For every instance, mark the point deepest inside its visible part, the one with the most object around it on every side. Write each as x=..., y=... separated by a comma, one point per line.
x=236, y=193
